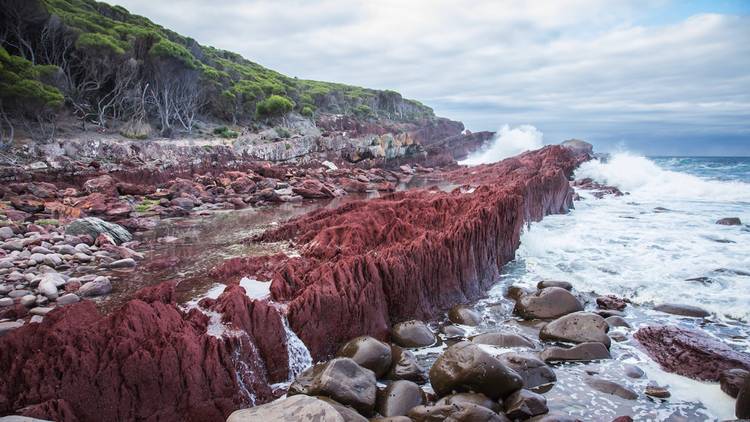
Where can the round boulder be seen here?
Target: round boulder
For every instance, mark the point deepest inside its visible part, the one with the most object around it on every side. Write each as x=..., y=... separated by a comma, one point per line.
x=296, y=408
x=404, y=366
x=537, y=376
x=413, y=334
x=682, y=310
x=464, y=315
x=470, y=398
x=524, y=404
x=503, y=340
x=742, y=407
x=552, y=302
x=368, y=352
x=340, y=379
x=731, y=380
x=399, y=398
x=456, y=412
x=554, y=283
x=466, y=367
x=578, y=327
x=579, y=353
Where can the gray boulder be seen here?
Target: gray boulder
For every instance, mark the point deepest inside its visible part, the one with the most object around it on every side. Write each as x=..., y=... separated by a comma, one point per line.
x=93, y=227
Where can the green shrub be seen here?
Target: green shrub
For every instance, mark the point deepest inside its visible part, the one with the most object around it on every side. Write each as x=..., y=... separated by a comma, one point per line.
x=225, y=132
x=98, y=43
x=282, y=132
x=307, y=111
x=168, y=49
x=275, y=105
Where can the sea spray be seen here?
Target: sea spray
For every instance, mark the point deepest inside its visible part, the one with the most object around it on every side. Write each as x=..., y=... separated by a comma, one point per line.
x=507, y=143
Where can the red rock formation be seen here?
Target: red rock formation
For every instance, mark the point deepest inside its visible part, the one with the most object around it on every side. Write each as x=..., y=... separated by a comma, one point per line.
x=412, y=254
x=691, y=353
x=148, y=360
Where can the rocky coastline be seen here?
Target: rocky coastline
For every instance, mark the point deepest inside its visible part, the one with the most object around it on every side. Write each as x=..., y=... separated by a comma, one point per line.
x=361, y=292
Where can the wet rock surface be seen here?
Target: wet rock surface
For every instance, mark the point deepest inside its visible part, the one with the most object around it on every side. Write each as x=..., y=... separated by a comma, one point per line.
x=370, y=353
x=466, y=367
x=578, y=327
x=690, y=352
x=341, y=379
x=458, y=412
x=464, y=315
x=295, y=408
x=578, y=353
x=536, y=375
x=682, y=310
x=413, y=334
x=524, y=404
x=404, y=366
x=399, y=398
x=547, y=303
x=732, y=380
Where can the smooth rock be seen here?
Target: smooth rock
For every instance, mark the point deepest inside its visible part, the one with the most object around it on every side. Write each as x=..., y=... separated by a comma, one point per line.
x=731, y=380
x=399, y=398
x=404, y=366
x=28, y=300
x=294, y=408
x=93, y=227
x=48, y=288
x=578, y=353
x=551, y=302
x=464, y=315
x=524, y=404
x=617, y=321
x=456, y=412
x=503, y=340
x=742, y=407
x=729, y=221
x=537, y=376
x=349, y=414
x=682, y=310
x=340, y=379
x=7, y=327
x=578, y=327
x=68, y=299
x=470, y=398
x=122, y=263
x=100, y=286
x=657, y=392
x=453, y=331
x=413, y=334
x=611, y=302
x=41, y=310
x=368, y=352
x=6, y=301
x=611, y=387
x=554, y=283
x=466, y=367
x=554, y=417
x=6, y=233
x=633, y=371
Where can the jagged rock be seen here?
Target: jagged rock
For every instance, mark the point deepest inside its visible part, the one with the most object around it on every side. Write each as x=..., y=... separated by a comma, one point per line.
x=94, y=227
x=466, y=367
x=464, y=315
x=405, y=366
x=294, y=408
x=578, y=327
x=399, y=398
x=413, y=334
x=104, y=184
x=368, y=352
x=547, y=303
x=690, y=352
x=524, y=404
x=536, y=375
x=340, y=379
x=611, y=302
x=579, y=352
x=503, y=340
x=682, y=310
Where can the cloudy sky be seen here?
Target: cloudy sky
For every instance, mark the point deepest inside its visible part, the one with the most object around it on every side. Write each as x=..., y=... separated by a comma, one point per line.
x=657, y=77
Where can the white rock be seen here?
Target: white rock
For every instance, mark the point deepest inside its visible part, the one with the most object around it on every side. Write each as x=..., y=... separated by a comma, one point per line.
x=100, y=286
x=6, y=327
x=36, y=319
x=68, y=299
x=41, y=310
x=41, y=250
x=6, y=301
x=330, y=165
x=123, y=263
x=28, y=300
x=6, y=233
x=53, y=260
x=48, y=288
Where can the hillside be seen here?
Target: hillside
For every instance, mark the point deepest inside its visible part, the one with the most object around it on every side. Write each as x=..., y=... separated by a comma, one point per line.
x=100, y=65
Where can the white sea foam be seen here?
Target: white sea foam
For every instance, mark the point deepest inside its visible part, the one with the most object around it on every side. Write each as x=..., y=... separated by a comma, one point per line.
x=507, y=143
x=631, y=246
x=256, y=289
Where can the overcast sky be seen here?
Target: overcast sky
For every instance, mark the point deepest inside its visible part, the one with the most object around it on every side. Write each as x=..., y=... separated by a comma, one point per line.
x=656, y=77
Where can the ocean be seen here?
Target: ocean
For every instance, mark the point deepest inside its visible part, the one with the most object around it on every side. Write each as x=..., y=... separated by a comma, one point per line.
x=658, y=243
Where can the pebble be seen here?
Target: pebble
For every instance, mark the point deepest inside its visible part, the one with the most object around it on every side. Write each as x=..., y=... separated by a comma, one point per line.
x=6, y=233
x=41, y=250
x=100, y=286
x=48, y=288
x=36, y=319
x=123, y=263
x=657, y=392
x=28, y=300
x=18, y=293
x=611, y=387
x=6, y=327
x=65, y=249
x=41, y=310
x=68, y=299
x=633, y=371
x=82, y=257
x=5, y=289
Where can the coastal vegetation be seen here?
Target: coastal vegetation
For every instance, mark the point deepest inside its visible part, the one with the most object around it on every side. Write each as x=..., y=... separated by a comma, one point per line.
x=113, y=69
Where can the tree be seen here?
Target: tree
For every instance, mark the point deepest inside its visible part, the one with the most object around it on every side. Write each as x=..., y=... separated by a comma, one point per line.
x=25, y=98
x=274, y=106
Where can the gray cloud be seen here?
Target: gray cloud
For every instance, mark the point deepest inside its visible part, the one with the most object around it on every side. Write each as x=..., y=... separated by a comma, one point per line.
x=583, y=68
